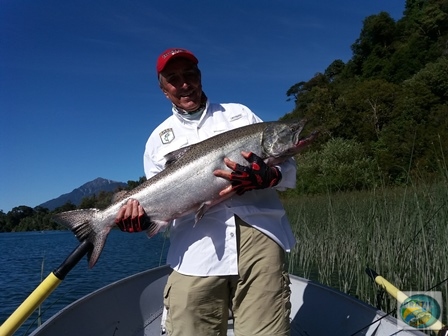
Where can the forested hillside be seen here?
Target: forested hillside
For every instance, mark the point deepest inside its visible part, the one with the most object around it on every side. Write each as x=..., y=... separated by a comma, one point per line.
x=383, y=115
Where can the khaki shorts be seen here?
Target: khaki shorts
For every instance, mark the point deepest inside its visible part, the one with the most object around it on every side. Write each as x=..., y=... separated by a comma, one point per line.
x=258, y=297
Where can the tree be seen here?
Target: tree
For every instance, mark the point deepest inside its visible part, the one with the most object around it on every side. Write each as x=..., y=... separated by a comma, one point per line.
x=374, y=46
x=66, y=207
x=3, y=222
x=426, y=106
x=17, y=214
x=391, y=97
x=134, y=184
x=334, y=70
x=88, y=202
x=365, y=109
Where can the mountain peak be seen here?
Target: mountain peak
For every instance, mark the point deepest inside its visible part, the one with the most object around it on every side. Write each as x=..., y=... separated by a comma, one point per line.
x=87, y=189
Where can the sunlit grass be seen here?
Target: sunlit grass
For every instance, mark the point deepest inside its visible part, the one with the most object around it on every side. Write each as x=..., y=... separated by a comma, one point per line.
x=402, y=234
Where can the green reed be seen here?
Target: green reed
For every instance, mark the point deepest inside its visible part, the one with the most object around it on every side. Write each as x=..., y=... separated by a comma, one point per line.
x=401, y=233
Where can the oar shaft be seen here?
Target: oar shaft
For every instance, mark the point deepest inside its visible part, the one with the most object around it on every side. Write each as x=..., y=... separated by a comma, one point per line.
x=42, y=291
x=29, y=305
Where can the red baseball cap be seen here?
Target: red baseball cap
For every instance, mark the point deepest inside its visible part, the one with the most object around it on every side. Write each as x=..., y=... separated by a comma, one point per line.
x=171, y=53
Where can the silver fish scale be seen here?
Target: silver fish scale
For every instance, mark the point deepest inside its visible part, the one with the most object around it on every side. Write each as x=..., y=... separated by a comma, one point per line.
x=187, y=184
x=190, y=181
x=207, y=153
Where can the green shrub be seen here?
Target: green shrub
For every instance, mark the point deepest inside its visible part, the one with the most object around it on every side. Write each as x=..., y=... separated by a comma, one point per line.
x=340, y=165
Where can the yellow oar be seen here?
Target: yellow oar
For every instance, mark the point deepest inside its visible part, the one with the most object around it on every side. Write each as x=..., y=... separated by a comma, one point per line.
x=401, y=297
x=43, y=290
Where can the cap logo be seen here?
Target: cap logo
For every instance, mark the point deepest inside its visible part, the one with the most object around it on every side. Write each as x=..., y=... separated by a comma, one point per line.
x=166, y=136
x=172, y=52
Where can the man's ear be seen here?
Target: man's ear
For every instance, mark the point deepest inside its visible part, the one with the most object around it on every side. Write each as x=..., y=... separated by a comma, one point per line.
x=165, y=92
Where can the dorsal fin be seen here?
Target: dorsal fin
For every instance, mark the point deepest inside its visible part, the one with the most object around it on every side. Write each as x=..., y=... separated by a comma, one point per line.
x=118, y=196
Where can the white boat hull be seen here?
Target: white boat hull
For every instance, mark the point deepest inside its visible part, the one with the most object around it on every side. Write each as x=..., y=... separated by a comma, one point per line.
x=134, y=306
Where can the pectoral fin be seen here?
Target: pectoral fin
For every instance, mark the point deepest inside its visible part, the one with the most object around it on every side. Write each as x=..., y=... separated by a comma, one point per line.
x=201, y=211
x=155, y=227
x=203, y=208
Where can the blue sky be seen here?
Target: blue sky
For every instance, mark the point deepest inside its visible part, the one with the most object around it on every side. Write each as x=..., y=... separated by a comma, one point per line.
x=78, y=89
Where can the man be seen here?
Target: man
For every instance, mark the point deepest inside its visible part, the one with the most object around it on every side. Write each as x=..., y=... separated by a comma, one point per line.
x=234, y=257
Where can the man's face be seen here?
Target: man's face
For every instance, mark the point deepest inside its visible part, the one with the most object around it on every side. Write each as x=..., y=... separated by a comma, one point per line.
x=180, y=81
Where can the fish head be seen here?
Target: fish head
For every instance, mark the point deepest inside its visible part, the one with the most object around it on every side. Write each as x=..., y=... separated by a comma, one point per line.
x=281, y=140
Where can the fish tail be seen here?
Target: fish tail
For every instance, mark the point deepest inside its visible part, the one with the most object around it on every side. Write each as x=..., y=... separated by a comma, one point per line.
x=84, y=223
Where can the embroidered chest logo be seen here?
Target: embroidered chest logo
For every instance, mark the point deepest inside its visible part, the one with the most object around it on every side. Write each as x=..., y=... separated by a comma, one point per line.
x=167, y=136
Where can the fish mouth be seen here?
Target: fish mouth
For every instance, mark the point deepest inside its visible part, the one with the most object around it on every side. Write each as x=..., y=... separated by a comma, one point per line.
x=302, y=143
x=297, y=128
x=296, y=138
x=298, y=141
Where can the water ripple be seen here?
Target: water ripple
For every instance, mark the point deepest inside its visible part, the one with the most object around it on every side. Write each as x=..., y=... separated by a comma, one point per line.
x=24, y=254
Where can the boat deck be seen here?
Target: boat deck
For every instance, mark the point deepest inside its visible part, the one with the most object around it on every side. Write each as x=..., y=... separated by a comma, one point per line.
x=134, y=306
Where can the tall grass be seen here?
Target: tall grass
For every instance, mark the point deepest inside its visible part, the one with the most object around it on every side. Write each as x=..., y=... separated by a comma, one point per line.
x=401, y=233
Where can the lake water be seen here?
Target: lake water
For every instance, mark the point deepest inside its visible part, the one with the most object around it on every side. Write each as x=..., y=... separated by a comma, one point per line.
x=23, y=255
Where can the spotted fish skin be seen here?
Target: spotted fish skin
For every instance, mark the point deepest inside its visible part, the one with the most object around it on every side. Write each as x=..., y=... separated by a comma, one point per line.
x=187, y=183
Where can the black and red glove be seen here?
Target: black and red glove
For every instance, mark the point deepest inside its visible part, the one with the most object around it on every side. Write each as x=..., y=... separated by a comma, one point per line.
x=256, y=176
x=137, y=224
x=132, y=218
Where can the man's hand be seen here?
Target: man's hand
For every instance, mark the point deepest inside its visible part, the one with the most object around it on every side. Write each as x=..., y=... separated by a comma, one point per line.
x=244, y=178
x=132, y=218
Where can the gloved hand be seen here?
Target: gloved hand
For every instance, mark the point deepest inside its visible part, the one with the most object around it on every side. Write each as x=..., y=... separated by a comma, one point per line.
x=256, y=176
x=132, y=218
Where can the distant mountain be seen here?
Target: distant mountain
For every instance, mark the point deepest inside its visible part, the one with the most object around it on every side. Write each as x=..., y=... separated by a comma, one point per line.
x=88, y=189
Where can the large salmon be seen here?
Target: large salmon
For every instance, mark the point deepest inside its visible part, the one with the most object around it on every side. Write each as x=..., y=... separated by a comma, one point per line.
x=187, y=183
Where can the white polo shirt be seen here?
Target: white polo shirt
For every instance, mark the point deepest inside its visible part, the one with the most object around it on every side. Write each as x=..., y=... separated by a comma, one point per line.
x=209, y=247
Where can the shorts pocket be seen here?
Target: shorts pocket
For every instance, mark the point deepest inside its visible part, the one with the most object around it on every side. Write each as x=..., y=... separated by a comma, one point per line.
x=166, y=295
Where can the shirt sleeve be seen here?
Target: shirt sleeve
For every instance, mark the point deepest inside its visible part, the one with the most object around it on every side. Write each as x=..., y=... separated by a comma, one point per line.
x=150, y=165
x=288, y=170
